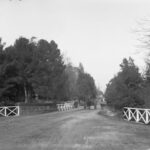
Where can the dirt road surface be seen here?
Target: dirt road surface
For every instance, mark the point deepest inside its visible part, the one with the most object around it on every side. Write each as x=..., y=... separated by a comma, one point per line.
x=74, y=130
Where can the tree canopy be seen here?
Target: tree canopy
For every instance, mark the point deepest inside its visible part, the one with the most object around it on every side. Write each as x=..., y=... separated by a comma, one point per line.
x=29, y=68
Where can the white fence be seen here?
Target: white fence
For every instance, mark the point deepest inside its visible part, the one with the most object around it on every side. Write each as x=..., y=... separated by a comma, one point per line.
x=65, y=106
x=137, y=114
x=9, y=111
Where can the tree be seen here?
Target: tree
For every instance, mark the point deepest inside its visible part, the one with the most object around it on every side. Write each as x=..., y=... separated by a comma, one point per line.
x=124, y=89
x=72, y=74
x=49, y=76
x=86, y=87
x=16, y=68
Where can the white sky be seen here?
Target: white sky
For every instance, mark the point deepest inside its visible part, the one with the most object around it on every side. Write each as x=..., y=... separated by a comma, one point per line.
x=98, y=33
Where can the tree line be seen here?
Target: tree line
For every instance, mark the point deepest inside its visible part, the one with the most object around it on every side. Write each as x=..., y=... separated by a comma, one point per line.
x=33, y=70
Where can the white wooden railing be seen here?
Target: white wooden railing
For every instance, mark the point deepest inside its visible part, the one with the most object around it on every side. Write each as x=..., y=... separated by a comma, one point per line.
x=65, y=106
x=9, y=111
x=137, y=114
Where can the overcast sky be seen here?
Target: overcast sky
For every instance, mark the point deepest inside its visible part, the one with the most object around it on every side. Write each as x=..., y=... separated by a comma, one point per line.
x=97, y=33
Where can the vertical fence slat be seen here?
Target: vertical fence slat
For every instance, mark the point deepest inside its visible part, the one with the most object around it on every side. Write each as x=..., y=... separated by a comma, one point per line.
x=129, y=112
x=147, y=118
x=137, y=115
x=5, y=111
x=18, y=114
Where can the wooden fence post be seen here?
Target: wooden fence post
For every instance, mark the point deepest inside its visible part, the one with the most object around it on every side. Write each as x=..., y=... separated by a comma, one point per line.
x=129, y=114
x=18, y=113
x=147, y=118
x=137, y=115
x=5, y=111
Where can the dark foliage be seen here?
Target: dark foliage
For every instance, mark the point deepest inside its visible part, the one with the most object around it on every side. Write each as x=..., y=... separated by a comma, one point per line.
x=28, y=68
x=86, y=86
x=125, y=89
x=31, y=70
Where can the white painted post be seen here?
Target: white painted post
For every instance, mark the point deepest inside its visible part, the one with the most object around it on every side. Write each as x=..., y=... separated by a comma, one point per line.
x=147, y=118
x=5, y=111
x=129, y=113
x=62, y=108
x=65, y=106
x=137, y=115
x=59, y=107
x=18, y=108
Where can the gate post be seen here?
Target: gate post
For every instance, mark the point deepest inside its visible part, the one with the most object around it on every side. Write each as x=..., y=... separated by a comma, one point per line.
x=147, y=118
x=129, y=112
x=5, y=111
x=18, y=113
x=137, y=115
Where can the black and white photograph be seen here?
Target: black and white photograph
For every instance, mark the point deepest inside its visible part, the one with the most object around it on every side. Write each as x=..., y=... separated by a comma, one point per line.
x=74, y=74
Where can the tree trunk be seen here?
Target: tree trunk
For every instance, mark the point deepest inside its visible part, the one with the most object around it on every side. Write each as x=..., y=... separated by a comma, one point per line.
x=25, y=94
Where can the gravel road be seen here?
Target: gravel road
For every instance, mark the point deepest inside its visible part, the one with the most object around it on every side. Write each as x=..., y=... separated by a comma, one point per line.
x=74, y=130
